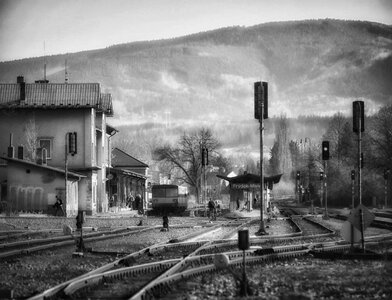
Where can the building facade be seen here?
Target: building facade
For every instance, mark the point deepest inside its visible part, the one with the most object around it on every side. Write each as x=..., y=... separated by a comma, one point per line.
x=64, y=124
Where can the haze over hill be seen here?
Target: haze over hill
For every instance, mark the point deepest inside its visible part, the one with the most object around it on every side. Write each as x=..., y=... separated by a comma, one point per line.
x=314, y=67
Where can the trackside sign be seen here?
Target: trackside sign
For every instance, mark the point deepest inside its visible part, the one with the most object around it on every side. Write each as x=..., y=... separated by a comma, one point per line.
x=243, y=186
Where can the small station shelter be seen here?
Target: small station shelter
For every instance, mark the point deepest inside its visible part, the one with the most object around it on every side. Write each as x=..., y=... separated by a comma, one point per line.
x=245, y=190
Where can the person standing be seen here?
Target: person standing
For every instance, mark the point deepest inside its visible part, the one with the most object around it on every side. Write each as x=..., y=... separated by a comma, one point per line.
x=58, y=206
x=139, y=204
x=211, y=209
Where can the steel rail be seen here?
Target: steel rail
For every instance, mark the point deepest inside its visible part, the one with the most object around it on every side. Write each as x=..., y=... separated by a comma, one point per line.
x=69, y=241
x=51, y=292
x=190, y=260
x=176, y=267
x=163, y=285
x=161, y=265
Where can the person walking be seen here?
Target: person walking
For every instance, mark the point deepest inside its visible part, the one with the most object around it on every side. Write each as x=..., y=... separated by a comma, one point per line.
x=211, y=209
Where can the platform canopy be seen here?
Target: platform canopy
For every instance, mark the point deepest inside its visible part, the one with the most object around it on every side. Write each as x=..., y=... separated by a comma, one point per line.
x=250, y=181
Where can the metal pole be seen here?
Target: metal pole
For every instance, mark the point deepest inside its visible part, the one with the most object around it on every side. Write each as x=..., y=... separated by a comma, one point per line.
x=262, y=228
x=352, y=208
x=66, y=169
x=386, y=192
x=359, y=157
x=325, y=190
x=244, y=283
x=352, y=193
x=362, y=226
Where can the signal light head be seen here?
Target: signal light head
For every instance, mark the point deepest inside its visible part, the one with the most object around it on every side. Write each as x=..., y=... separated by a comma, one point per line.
x=325, y=150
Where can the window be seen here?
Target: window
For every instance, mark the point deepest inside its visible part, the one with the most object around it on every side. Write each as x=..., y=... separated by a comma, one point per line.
x=46, y=143
x=171, y=192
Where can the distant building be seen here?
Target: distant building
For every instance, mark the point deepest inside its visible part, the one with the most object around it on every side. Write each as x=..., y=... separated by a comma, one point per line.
x=42, y=121
x=245, y=188
x=128, y=176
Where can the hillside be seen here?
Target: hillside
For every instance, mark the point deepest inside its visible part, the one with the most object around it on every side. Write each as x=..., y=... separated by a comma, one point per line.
x=315, y=67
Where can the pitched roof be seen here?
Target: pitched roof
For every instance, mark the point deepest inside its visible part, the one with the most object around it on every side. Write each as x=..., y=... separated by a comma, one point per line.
x=251, y=178
x=55, y=95
x=33, y=164
x=122, y=159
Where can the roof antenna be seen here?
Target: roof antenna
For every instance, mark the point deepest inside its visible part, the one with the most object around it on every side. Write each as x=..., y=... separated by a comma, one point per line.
x=66, y=72
x=44, y=63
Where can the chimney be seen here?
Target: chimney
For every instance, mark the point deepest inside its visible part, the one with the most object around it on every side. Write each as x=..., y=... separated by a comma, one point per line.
x=20, y=152
x=20, y=81
x=11, y=150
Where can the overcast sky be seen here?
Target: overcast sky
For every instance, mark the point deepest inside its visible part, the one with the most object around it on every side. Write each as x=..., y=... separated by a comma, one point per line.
x=66, y=26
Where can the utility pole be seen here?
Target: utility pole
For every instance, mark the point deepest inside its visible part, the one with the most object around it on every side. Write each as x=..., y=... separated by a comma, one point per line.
x=66, y=168
x=261, y=113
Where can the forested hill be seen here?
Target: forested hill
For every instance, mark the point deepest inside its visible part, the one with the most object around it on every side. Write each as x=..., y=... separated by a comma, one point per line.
x=315, y=67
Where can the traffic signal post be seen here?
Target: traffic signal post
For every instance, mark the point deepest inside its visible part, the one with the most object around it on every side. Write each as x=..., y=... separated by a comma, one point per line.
x=386, y=175
x=70, y=148
x=204, y=164
x=298, y=186
x=66, y=166
x=359, y=127
x=261, y=113
x=325, y=157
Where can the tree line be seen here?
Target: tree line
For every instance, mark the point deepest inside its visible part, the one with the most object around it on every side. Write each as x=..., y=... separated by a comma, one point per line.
x=180, y=156
x=304, y=156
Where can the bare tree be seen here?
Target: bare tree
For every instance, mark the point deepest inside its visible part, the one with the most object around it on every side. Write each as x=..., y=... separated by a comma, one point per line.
x=280, y=161
x=31, y=139
x=185, y=156
x=381, y=138
x=334, y=135
x=139, y=144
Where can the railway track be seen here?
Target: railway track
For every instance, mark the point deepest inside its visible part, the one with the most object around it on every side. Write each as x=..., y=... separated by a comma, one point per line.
x=28, y=246
x=152, y=271
x=153, y=253
x=138, y=259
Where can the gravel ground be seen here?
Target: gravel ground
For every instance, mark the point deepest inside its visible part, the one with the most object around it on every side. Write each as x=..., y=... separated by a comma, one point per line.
x=312, y=278
x=37, y=223
x=297, y=279
x=28, y=275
